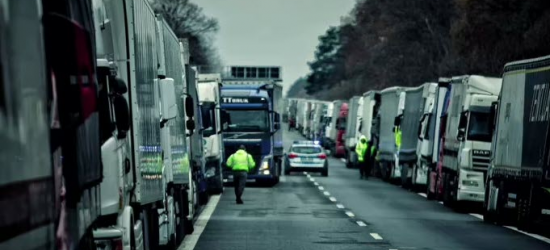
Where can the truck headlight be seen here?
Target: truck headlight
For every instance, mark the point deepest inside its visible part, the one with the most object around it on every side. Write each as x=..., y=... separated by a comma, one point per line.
x=265, y=165
x=266, y=172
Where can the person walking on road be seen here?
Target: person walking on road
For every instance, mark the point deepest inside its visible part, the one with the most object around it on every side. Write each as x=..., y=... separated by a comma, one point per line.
x=241, y=163
x=361, y=150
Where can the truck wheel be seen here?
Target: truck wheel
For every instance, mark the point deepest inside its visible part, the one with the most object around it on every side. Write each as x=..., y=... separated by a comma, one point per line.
x=446, y=190
x=152, y=227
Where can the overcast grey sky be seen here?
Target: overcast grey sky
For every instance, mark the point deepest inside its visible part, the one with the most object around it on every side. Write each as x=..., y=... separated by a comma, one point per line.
x=273, y=32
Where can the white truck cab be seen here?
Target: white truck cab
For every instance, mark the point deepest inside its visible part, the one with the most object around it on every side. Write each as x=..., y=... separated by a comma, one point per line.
x=426, y=128
x=209, y=88
x=467, y=148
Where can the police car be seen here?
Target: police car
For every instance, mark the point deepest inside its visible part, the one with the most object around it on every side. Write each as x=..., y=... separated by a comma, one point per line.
x=306, y=156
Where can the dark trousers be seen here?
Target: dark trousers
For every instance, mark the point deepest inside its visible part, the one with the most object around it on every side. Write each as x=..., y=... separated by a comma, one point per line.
x=365, y=166
x=239, y=180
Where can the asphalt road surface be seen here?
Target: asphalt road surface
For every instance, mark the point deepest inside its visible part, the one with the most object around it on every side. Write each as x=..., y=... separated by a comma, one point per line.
x=307, y=211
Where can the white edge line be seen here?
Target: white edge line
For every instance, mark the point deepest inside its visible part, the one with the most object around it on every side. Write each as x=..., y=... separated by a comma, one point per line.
x=340, y=206
x=538, y=237
x=190, y=241
x=479, y=216
x=361, y=224
x=423, y=195
x=376, y=236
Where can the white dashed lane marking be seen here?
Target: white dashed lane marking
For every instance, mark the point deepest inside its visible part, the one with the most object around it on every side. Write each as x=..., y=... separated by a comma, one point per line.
x=423, y=195
x=340, y=206
x=361, y=224
x=350, y=214
x=326, y=193
x=332, y=199
x=376, y=236
x=343, y=160
x=321, y=188
x=316, y=184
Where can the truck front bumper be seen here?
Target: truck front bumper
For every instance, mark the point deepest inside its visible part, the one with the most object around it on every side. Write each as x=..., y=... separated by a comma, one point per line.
x=471, y=186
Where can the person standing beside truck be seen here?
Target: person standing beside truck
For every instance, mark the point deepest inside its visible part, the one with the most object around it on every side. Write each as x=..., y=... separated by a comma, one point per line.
x=361, y=150
x=241, y=163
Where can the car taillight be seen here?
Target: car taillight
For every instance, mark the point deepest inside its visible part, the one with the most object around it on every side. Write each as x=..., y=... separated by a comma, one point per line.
x=322, y=156
x=292, y=156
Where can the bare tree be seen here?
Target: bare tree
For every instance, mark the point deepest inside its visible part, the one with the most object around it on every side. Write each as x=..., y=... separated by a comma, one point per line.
x=187, y=20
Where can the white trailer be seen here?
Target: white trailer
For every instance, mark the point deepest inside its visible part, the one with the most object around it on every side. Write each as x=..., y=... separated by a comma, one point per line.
x=145, y=191
x=408, y=124
x=392, y=104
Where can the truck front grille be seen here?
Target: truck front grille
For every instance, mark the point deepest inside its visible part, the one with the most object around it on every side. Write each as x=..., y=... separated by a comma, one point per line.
x=481, y=159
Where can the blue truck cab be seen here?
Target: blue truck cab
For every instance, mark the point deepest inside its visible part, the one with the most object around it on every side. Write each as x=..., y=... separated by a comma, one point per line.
x=251, y=103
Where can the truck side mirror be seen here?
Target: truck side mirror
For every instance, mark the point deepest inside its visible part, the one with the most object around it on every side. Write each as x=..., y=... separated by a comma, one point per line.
x=189, y=107
x=493, y=116
x=190, y=125
x=122, y=115
x=460, y=135
x=168, y=99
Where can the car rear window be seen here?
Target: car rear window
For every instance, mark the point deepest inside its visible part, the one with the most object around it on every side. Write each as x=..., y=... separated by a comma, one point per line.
x=306, y=150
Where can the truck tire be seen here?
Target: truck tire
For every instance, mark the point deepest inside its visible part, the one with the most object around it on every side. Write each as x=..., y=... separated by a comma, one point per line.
x=187, y=223
x=152, y=227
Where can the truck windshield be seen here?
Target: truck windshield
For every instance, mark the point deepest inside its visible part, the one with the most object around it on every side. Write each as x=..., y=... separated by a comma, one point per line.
x=479, y=128
x=247, y=121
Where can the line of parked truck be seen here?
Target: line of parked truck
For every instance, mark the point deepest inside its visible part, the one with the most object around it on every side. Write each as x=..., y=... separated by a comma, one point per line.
x=110, y=138
x=463, y=140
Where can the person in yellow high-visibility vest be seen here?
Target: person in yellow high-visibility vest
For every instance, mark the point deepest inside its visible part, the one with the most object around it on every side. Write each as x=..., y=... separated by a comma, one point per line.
x=361, y=151
x=241, y=163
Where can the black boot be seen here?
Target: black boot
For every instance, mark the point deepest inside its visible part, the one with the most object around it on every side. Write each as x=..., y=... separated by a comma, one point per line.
x=240, y=201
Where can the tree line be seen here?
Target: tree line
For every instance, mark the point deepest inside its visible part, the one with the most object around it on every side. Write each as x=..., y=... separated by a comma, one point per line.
x=188, y=21
x=383, y=43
